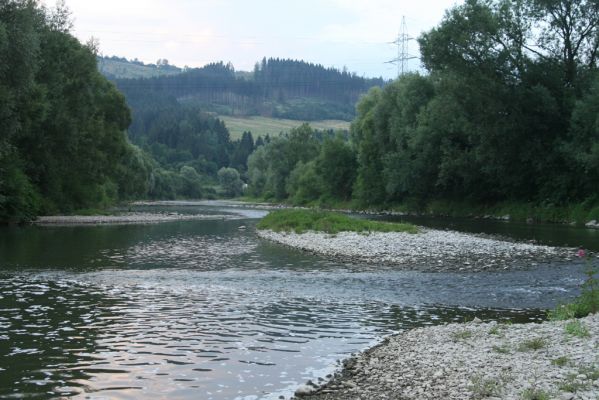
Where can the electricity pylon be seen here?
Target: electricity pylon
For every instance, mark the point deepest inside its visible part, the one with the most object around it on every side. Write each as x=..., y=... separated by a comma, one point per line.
x=403, y=54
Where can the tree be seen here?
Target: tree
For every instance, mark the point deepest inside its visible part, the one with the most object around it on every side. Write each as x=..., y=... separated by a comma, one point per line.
x=230, y=182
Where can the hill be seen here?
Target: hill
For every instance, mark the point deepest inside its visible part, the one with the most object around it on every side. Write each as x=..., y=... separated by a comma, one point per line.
x=276, y=88
x=121, y=68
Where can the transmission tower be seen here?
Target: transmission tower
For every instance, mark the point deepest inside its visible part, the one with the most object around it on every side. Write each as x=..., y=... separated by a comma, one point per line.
x=403, y=56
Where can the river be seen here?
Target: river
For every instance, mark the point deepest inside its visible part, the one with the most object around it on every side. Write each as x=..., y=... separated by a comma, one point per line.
x=206, y=310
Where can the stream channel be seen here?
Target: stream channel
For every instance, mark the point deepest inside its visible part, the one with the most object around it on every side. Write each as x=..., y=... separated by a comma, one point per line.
x=204, y=309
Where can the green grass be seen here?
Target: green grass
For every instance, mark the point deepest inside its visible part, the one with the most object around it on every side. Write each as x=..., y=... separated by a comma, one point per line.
x=300, y=221
x=561, y=361
x=262, y=126
x=501, y=349
x=532, y=344
x=461, y=335
x=535, y=394
x=483, y=388
x=577, y=328
x=585, y=304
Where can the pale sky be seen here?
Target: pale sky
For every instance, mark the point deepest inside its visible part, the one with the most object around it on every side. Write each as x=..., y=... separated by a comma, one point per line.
x=338, y=33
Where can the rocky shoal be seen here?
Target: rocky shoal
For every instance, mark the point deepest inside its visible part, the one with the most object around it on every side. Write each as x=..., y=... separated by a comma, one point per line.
x=551, y=360
x=126, y=218
x=429, y=250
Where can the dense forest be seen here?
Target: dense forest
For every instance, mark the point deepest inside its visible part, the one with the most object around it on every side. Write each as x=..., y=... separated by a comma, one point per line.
x=507, y=112
x=276, y=88
x=63, y=144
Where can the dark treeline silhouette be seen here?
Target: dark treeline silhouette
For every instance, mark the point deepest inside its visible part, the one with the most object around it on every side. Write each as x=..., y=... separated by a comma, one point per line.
x=279, y=88
x=62, y=125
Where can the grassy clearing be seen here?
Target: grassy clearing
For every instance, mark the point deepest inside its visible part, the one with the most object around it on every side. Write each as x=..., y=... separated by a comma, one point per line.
x=261, y=126
x=300, y=221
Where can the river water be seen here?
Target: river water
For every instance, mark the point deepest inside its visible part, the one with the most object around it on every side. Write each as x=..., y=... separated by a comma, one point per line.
x=206, y=310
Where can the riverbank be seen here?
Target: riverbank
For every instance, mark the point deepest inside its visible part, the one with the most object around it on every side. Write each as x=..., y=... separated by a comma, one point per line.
x=430, y=250
x=582, y=214
x=125, y=218
x=552, y=360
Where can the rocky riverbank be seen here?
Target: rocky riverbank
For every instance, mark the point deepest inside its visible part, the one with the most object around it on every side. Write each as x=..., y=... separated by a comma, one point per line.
x=126, y=218
x=552, y=360
x=429, y=250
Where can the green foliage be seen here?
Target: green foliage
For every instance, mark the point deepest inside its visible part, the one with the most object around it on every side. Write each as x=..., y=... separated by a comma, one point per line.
x=276, y=88
x=577, y=328
x=482, y=387
x=230, y=182
x=192, y=183
x=535, y=394
x=270, y=167
x=585, y=304
x=506, y=114
x=300, y=221
x=63, y=125
x=304, y=185
x=533, y=344
x=461, y=335
x=561, y=361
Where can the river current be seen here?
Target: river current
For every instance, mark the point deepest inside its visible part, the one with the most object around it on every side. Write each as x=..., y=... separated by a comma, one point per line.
x=206, y=310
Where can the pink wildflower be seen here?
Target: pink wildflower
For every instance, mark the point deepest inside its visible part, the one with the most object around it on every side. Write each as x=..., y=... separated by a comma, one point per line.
x=581, y=253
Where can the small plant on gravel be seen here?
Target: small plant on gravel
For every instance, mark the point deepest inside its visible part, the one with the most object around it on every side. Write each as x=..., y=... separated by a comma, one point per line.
x=560, y=361
x=591, y=372
x=577, y=328
x=501, y=349
x=572, y=384
x=494, y=330
x=588, y=301
x=535, y=394
x=482, y=387
x=533, y=344
x=461, y=335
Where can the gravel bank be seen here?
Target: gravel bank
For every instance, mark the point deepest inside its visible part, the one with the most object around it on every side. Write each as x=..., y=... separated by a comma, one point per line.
x=127, y=218
x=430, y=250
x=474, y=361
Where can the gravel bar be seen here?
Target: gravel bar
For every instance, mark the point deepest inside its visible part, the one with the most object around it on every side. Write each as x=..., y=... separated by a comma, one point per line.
x=474, y=361
x=127, y=218
x=430, y=250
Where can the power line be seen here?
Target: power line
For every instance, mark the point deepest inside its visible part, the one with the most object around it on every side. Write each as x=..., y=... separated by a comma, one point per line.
x=403, y=55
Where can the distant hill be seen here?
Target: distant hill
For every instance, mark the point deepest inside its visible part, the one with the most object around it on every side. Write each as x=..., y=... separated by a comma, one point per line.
x=276, y=88
x=121, y=68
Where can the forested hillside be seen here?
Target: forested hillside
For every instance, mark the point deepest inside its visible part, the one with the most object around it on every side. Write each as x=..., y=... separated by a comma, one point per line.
x=508, y=112
x=119, y=67
x=63, y=144
x=276, y=88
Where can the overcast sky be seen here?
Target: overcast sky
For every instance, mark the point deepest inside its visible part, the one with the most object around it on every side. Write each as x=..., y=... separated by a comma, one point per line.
x=351, y=33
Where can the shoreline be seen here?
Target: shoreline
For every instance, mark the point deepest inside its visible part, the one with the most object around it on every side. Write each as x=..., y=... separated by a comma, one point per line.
x=475, y=360
x=428, y=251
x=129, y=218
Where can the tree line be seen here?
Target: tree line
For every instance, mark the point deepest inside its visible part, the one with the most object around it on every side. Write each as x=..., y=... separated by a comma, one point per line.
x=63, y=128
x=507, y=111
x=63, y=144
x=276, y=88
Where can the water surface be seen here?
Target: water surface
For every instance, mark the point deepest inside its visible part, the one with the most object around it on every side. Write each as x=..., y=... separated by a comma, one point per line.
x=205, y=309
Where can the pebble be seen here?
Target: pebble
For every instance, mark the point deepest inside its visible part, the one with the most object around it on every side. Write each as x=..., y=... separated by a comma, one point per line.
x=430, y=363
x=430, y=250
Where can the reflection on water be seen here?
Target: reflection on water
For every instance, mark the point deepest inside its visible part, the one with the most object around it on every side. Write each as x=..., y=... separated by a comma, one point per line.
x=203, y=309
